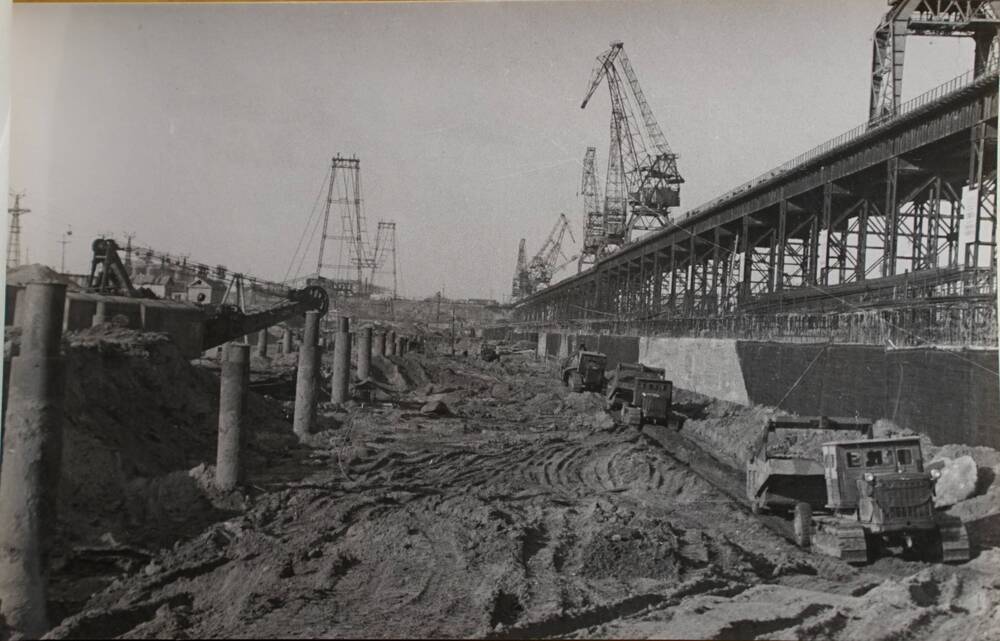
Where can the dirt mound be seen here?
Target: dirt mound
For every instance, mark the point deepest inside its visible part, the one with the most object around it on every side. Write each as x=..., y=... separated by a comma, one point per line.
x=138, y=418
x=728, y=430
x=38, y=273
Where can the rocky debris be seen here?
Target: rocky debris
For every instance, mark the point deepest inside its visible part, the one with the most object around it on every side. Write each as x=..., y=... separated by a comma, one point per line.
x=583, y=402
x=957, y=481
x=601, y=420
x=435, y=408
x=501, y=391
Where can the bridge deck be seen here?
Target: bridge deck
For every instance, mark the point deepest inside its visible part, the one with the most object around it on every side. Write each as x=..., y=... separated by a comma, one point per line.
x=913, y=194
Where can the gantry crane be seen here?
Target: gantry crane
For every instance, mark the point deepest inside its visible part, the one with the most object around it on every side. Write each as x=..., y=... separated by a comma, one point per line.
x=643, y=182
x=977, y=19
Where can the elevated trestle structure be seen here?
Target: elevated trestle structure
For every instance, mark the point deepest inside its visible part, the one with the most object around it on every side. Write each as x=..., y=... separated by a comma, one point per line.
x=899, y=212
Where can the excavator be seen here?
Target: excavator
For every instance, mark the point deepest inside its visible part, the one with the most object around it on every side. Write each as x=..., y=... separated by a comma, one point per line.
x=195, y=327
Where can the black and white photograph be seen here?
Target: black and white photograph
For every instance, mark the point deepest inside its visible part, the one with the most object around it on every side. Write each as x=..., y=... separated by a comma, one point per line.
x=589, y=319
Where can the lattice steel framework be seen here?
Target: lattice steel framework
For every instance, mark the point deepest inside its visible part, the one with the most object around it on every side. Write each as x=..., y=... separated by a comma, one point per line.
x=902, y=212
x=977, y=19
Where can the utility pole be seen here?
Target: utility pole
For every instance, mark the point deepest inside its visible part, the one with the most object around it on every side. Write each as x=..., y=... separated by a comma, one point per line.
x=64, y=242
x=14, y=237
x=453, y=329
x=437, y=317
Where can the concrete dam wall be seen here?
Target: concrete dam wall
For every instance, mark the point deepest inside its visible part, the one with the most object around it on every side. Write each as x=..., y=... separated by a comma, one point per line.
x=951, y=395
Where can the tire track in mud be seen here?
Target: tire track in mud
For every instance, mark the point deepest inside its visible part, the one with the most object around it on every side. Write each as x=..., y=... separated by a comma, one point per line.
x=425, y=527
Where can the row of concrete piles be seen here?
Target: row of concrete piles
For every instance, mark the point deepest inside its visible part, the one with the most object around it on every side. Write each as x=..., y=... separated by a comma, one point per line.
x=236, y=377
x=32, y=438
x=385, y=343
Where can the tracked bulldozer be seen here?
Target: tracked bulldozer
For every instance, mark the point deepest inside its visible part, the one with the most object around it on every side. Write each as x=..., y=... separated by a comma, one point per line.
x=875, y=496
x=585, y=371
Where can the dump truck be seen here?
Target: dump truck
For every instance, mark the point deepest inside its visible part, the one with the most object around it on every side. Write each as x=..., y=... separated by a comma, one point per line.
x=585, y=371
x=641, y=393
x=876, y=496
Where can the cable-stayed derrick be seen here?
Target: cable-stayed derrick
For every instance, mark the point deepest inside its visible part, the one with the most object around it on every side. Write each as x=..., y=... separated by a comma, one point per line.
x=643, y=182
x=977, y=19
x=354, y=258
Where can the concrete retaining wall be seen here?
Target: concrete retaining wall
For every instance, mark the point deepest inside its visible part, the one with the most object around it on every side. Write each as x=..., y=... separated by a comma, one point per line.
x=709, y=366
x=953, y=396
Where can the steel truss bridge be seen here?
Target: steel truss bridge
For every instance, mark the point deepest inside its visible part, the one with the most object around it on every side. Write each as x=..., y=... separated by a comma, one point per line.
x=898, y=213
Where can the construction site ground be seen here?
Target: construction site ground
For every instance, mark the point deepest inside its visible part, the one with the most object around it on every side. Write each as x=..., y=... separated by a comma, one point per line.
x=472, y=500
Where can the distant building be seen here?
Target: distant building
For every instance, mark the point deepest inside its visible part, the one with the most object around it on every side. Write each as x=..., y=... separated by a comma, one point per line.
x=206, y=291
x=160, y=284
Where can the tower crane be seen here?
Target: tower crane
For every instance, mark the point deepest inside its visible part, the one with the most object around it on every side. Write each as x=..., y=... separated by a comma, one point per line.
x=643, y=181
x=978, y=19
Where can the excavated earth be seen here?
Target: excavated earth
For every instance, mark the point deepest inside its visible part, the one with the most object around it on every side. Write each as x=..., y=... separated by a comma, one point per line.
x=472, y=500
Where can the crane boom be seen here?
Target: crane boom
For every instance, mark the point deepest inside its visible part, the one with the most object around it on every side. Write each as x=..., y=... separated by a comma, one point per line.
x=652, y=127
x=604, y=62
x=544, y=265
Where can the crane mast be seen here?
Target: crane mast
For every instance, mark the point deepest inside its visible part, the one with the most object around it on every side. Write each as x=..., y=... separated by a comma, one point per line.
x=519, y=287
x=593, y=213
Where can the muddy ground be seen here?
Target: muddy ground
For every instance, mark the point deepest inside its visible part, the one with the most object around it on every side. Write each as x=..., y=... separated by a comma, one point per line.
x=507, y=508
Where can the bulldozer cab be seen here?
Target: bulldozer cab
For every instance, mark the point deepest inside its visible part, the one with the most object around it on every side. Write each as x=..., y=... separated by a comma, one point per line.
x=846, y=463
x=654, y=395
x=585, y=371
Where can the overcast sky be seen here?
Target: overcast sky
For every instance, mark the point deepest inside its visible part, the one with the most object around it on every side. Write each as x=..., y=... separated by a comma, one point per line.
x=208, y=130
